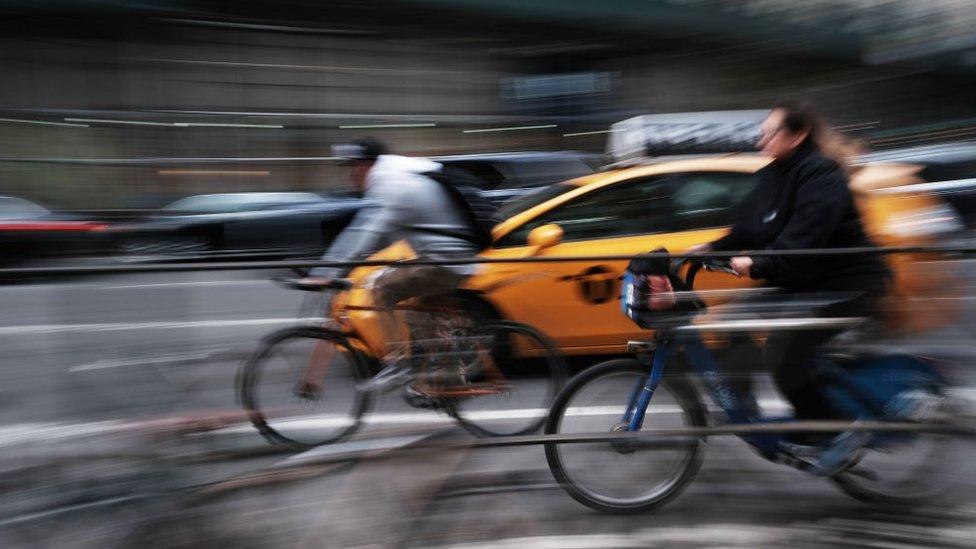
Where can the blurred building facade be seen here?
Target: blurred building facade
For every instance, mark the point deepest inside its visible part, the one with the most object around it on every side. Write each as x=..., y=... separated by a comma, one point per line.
x=117, y=104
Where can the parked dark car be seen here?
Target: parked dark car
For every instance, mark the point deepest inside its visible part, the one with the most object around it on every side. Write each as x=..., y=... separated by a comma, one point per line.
x=506, y=176
x=259, y=223
x=304, y=224
x=30, y=231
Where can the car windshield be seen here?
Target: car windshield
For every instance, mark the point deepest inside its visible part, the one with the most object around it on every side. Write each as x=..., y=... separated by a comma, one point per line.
x=12, y=207
x=533, y=199
x=239, y=202
x=533, y=174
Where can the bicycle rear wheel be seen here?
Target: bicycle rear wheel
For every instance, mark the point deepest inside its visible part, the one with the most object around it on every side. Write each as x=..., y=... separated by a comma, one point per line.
x=911, y=469
x=268, y=386
x=623, y=477
x=511, y=375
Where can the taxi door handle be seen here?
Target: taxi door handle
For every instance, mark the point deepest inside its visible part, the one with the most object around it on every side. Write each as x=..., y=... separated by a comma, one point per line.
x=598, y=271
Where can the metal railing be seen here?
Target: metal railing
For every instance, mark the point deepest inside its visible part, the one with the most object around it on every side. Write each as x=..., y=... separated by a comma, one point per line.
x=69, y=270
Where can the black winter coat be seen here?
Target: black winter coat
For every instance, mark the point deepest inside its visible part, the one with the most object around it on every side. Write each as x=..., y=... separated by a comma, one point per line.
x=804, y=202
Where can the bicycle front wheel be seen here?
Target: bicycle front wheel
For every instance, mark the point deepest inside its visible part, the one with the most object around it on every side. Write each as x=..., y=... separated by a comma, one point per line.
x=300, y=387
x=512, y=374
x=624, y=476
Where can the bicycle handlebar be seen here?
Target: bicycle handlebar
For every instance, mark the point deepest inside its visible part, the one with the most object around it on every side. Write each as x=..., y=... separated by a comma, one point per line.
x=716, y=265
x=325, y=285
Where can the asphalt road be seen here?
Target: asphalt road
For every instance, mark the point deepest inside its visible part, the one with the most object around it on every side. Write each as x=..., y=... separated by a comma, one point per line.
x=111, y=370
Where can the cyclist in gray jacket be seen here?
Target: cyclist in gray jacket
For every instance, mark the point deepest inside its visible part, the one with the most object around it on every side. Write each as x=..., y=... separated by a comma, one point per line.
x=405, y=205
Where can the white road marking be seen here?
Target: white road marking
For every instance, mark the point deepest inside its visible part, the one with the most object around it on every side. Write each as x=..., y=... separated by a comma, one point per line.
x=102, y=286
x=20, y=433
x=128, y=326
x=739, y=535
x=117, y=363
x=32, y=432
x=189, y=283
x=333, y=421
x=699, y=535
x=371, y=445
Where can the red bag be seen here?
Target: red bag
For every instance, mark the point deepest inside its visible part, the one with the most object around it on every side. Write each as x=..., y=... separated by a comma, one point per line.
x=647, y=295
x=661, y=293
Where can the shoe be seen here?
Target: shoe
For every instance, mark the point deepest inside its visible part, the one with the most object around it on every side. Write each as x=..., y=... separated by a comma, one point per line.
x=395, y=372
x=419, y=399
x=820, y=460
x=916, y=405
x=845, y=450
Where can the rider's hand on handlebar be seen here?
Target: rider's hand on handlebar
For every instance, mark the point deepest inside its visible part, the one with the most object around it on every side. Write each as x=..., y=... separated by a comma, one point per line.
x=742, y=266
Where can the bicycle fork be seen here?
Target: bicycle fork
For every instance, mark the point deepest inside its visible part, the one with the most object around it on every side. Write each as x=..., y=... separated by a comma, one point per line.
x=640, y=397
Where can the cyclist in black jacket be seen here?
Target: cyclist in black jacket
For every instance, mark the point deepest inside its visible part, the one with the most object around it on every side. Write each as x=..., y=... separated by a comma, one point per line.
x=803, y=201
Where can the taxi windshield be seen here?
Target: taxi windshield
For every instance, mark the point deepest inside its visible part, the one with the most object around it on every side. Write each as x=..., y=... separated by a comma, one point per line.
x=532, y=199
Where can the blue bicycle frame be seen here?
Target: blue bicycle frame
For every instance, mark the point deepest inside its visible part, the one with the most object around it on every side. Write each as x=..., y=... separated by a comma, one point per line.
x=740, y=409
x=867, y=394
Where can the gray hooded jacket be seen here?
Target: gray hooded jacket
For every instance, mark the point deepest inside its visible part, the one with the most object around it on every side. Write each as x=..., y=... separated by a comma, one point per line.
x=403, y=203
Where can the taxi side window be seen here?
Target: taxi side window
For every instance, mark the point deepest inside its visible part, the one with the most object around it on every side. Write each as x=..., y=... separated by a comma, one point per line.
x=707, y=199
x=639, y=207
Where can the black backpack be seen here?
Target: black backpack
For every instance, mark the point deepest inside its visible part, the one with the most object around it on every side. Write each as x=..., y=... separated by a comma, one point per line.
x=464, y=190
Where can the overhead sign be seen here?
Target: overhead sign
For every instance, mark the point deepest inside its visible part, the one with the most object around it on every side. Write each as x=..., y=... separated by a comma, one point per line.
x=684, y=133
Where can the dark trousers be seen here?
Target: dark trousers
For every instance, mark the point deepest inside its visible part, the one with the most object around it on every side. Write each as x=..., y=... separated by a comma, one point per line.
x=791, y=355
x=398, y=284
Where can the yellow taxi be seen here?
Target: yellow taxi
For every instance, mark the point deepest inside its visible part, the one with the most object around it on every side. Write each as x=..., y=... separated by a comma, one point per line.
x=673, y=204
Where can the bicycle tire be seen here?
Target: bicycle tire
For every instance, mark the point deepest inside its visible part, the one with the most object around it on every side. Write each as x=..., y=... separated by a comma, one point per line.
x=481, y=424
x=947, y=456
x=685, y=396
x=249, y=379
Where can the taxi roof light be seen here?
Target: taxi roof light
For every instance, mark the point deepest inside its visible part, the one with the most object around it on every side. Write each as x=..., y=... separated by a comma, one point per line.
x=689, y=133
